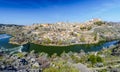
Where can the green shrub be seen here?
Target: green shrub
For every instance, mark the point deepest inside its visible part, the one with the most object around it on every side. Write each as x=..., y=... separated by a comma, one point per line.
x=82, y=39
x=95, y=59
x=60, y=67
x=99, y=23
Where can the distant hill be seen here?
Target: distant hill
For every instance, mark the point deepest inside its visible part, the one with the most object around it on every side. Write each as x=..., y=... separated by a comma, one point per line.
x=9, y=25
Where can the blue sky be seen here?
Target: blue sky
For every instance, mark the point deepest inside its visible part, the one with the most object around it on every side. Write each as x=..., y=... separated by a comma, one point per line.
x=51, y=11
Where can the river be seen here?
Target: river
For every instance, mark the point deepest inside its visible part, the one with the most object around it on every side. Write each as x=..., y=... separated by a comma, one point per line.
x=4, y=42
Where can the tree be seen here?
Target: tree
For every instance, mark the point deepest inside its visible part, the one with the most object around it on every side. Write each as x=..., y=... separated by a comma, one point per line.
x=36, y=28
x=59, y=42
x=82, y=28
x=82, y=39
x=99, y=59
x=95, y=37
x=46, y=41
x=89, y=28
x=99, y=23
x=92, y=59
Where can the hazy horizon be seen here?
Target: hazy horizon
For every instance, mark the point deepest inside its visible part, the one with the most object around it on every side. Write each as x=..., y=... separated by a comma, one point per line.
x=52, y=11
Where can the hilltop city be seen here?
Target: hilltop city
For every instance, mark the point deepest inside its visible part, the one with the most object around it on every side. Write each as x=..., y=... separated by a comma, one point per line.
x=63, y=34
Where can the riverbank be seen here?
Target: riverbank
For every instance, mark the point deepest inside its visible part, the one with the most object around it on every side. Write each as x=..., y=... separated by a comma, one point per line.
x=62, y=45
x=22, y=43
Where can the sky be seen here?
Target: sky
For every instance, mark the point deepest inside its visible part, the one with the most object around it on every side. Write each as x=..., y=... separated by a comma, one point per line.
x=27, y=12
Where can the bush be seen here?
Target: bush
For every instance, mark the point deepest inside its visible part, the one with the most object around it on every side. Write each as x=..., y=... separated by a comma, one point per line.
x=99, y=23
x=95, y=59
x=60, y=67
x=92, y=59
x=95, y=37
x=20, y=55
x=99, y=59
x=82, y=39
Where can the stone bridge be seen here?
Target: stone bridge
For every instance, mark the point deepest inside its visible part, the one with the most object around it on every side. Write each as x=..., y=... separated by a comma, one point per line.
x=11, y=50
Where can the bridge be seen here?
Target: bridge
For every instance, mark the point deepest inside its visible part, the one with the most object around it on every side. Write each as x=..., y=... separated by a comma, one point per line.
x=4, y=36
x=11, y=50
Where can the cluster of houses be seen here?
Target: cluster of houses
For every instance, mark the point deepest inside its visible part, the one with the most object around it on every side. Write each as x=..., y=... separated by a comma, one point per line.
x=67, y=33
